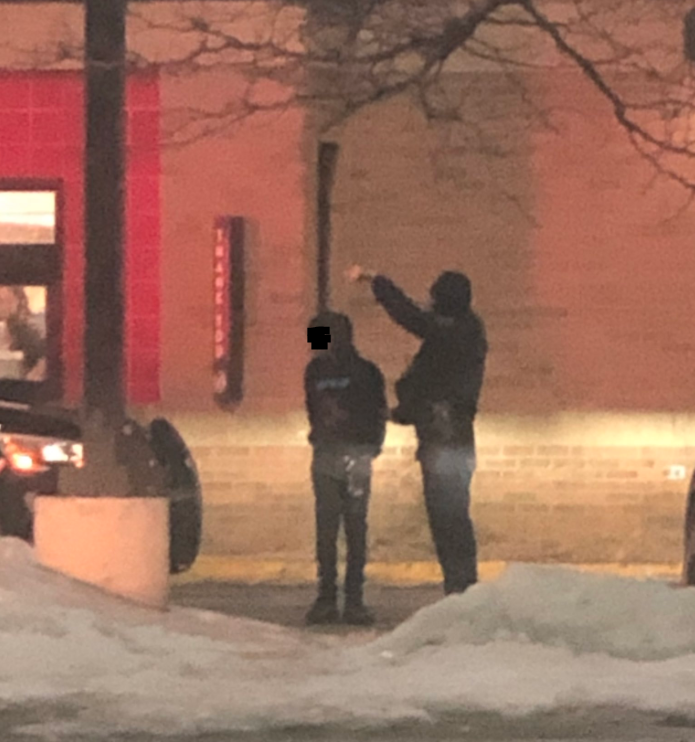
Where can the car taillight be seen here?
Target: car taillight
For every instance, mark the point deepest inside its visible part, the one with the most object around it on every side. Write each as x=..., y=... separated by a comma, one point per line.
x=32, y=455
x=24, y=460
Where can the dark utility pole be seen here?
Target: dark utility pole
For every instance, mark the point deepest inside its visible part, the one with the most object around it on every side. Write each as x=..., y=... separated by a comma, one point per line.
x=105, y=43
x=327, y=161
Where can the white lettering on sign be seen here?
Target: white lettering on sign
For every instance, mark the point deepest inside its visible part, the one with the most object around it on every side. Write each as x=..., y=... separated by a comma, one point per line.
x=221, y=270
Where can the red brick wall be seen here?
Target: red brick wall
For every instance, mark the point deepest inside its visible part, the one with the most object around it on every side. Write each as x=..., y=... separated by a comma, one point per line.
x=42, y=136
x=255, y=169
x=613, y=262
x=588, y=305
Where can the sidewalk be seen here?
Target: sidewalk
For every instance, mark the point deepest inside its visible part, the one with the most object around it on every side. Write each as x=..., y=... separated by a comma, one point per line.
x=286, y=572
x=281, y=592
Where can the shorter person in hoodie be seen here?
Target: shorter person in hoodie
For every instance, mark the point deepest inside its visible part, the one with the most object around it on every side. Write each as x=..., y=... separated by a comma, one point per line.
x=347, y=409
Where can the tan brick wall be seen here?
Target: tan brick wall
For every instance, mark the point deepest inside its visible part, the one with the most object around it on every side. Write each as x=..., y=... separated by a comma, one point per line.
x=587, y=514
x=532, y=500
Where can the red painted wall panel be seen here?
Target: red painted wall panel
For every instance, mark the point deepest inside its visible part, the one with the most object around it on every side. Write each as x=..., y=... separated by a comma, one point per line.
x=143, y=294
x=42, y=136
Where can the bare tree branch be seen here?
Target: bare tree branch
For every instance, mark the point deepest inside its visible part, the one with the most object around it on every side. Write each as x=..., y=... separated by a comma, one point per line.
x=640, y=136
x=339, y=56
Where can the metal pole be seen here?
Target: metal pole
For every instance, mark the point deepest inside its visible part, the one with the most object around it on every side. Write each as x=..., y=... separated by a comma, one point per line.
x=328, y=158
x=105, y=72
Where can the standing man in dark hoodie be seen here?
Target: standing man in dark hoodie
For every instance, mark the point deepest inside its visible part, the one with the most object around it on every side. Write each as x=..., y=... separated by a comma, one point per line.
x=438, y=394
x=347, y=409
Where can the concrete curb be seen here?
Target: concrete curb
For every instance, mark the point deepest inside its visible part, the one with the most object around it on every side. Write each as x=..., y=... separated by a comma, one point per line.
x=289, y=572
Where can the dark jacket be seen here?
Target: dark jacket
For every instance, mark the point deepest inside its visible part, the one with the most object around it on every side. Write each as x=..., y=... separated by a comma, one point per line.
x=439, y=392
x=346, y=403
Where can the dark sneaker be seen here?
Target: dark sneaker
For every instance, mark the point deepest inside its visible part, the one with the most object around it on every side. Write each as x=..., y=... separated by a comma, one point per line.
x=324, y=611
x=357, y=614
x=457, y=589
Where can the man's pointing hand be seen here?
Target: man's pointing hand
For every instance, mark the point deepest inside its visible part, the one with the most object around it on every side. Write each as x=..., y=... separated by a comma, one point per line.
x=358, y=273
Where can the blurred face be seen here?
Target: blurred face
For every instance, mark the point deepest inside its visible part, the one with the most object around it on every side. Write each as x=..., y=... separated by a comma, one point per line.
x=319, y=336
x=340, y=340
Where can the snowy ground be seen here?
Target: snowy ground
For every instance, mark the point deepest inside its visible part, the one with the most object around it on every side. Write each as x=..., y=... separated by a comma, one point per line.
x=541, y=648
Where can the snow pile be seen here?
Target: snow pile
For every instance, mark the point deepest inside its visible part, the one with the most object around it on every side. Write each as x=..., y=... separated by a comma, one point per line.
x=559, y=607
x=536, y=639
x=63, y=640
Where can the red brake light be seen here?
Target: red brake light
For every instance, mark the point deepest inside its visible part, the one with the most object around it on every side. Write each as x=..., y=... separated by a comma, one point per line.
x=23, y=460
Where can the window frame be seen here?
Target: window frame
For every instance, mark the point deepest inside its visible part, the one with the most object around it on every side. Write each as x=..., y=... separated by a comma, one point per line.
x=39, y=264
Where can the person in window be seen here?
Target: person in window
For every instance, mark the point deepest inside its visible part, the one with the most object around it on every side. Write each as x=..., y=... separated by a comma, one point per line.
x=347, y=410
x=22, y=334
x=438, y=394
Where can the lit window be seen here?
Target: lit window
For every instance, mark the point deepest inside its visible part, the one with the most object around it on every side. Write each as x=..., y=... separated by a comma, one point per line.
x=23, y=332
x=27, y=217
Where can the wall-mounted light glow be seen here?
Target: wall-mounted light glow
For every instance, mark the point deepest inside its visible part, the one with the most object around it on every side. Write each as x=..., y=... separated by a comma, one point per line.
x=676, y=472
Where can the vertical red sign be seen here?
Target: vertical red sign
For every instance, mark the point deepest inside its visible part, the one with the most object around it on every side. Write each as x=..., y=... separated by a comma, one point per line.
x=228, y=330
x=222, y=280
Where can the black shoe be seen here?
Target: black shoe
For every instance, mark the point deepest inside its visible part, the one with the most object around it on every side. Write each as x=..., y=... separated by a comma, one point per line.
x=324, y=611
x=457, y=589
x=357, y=614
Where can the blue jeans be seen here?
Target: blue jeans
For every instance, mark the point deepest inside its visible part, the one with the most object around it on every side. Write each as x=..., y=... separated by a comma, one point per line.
x=446, y=476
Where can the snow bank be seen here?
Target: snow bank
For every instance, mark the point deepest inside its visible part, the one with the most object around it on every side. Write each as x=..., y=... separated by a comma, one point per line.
x=536, y=639
x=559, y=607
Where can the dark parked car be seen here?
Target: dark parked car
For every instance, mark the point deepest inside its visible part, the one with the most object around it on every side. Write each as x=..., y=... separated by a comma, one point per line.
x=36, y=441
x=689, y=536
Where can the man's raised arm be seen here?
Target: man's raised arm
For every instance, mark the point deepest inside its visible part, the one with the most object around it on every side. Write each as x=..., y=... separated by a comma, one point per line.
x=401, y=308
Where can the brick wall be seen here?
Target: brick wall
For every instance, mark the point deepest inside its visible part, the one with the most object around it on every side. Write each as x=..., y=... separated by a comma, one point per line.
x=582, y=503
x=584, y=287
x=256, y=170
x=613, y=254
x=583, y=507
x=42, y=137
x=532, y=501
x=412, y=200
x=587, y=399
x=580, y=270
